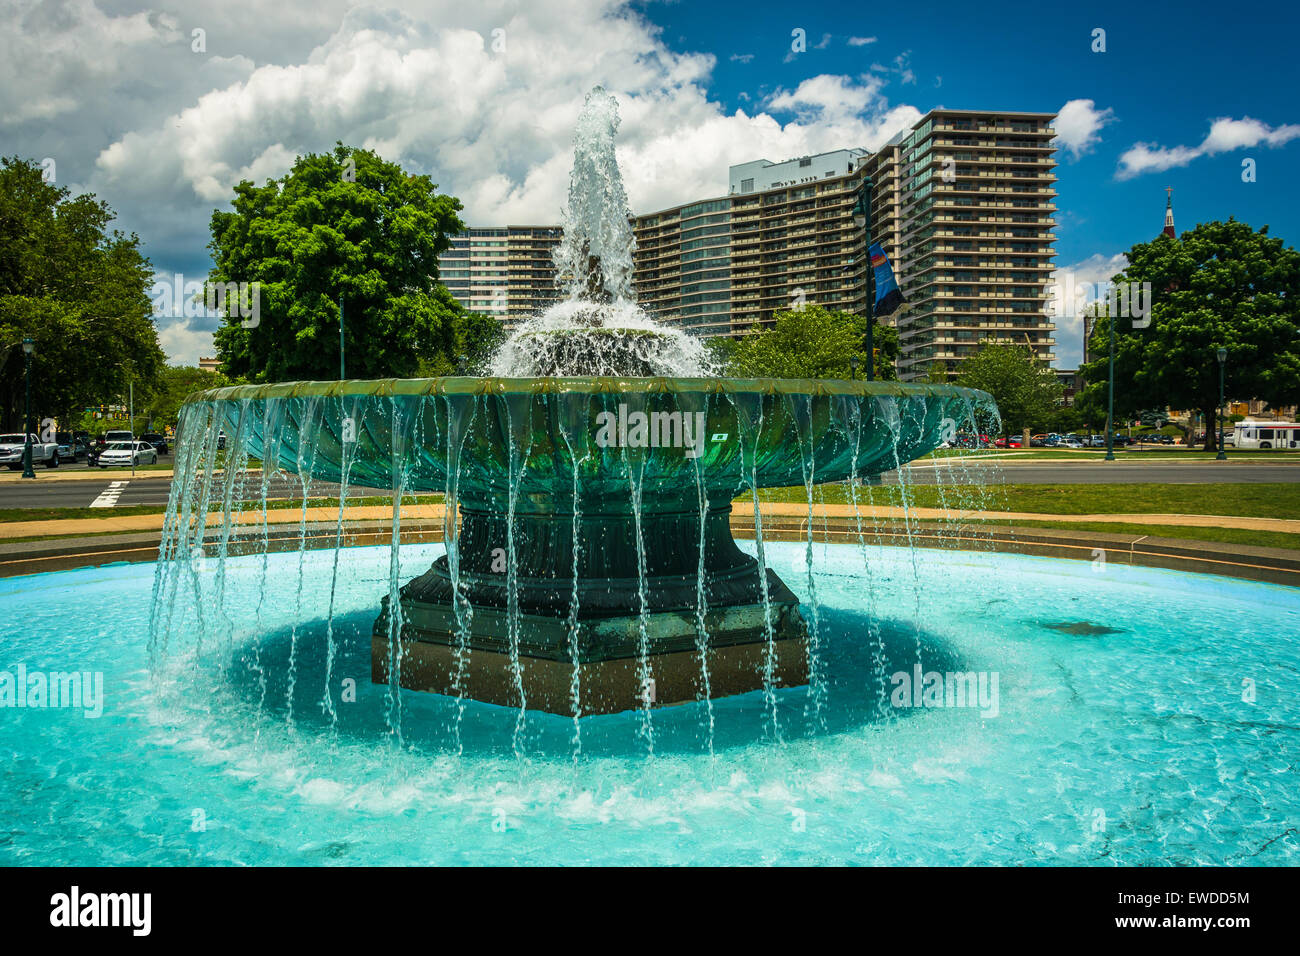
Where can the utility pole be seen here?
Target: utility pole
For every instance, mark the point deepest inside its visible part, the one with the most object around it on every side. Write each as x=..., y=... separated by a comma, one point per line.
x=342, y=374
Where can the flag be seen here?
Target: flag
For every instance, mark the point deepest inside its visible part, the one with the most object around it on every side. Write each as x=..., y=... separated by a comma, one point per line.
x=888, y=296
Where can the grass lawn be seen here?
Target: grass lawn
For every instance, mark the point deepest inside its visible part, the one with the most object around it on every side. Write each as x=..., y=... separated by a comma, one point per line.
x=1264, y=500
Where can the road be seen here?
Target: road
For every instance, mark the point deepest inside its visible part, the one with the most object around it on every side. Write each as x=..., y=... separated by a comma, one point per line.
x=125, y=492
x=1096, y=471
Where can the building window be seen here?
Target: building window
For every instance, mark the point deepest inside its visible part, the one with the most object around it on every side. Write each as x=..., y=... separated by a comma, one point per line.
x=747, y=185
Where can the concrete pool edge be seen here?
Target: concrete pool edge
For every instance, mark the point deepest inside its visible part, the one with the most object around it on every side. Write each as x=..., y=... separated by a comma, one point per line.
x=1269, y=565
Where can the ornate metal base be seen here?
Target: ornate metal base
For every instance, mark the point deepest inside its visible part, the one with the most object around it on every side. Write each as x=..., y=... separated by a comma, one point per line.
x=619, y=612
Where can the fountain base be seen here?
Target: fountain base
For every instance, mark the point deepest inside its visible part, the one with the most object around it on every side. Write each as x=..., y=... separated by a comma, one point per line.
x=737, y=659
x=530, y=612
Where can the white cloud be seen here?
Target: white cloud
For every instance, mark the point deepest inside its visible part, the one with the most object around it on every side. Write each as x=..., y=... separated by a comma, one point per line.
x=1078, y=125
x=1225, y=135
x=163, y=133
x=861, y=41
x=1090, y=277
x=901, y=68
x=182, y=344
x=839, y=103
x=741, y=57
x=824, y=42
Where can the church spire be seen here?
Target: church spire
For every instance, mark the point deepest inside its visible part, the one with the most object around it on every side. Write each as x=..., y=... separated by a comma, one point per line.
x=1169, y=213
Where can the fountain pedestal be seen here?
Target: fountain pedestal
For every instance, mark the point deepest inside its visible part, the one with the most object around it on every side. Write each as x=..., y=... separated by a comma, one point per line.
x=624, y=621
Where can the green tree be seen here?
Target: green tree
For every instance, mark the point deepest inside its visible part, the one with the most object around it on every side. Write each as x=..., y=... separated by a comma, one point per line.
x=78, y=290
x=477, y=336
x=1026, y=390
x=813, y=342
x=341, y=226
x=160, y=404
x=1219, y=285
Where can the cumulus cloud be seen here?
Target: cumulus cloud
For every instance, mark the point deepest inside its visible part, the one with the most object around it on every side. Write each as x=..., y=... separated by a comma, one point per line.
x=1078, y=125
x=1074, y=288
x=741, y=57
x=838, y=103
x=1225, y=135
x=861, y=41
x=483, y=97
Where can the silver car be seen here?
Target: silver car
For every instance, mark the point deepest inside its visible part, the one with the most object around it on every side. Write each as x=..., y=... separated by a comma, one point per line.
x=128, y=453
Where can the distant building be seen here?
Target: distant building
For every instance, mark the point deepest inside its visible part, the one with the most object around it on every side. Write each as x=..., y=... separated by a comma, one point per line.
x=504, y=271
x=210, y=364
x=1071, y=381
x=963, y=203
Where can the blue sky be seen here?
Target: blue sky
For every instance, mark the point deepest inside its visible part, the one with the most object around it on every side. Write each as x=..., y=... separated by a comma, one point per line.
x=161, y=106
x=1167, y=73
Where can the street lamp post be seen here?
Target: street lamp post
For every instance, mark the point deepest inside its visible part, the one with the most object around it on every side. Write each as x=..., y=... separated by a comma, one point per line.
x=131, y=419
x=862, y=219
x=1110, y=395
x=28, y=348
x=1223, y=361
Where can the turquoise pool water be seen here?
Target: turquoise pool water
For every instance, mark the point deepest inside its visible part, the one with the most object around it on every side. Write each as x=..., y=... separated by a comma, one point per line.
x=1142, y=717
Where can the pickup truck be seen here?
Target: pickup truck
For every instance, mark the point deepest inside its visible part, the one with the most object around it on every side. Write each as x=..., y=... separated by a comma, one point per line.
x=11, y=451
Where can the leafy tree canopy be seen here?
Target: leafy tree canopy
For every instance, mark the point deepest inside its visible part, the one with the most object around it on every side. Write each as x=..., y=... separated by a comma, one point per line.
x=1026, y=390
x=79, y=291
x=160, y=404
x=339, y=226
x=1219, y=285
x=812, y=342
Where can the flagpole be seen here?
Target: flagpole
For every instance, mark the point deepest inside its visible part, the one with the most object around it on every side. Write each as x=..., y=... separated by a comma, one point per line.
x=862, y=217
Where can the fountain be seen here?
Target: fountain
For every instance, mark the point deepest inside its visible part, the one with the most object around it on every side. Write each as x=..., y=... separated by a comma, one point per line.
x=239, y=727
x=588, y=477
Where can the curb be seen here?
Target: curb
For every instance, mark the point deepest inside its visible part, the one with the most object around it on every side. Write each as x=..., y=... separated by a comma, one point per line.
x=1269, y=565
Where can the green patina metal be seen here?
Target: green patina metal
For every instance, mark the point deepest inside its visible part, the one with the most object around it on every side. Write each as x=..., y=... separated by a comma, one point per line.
x=615, y=489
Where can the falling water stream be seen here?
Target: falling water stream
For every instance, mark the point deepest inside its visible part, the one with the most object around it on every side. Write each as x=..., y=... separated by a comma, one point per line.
x=527, y=445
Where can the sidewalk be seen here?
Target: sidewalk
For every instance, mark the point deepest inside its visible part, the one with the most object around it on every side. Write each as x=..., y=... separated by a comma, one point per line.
x=283, y=516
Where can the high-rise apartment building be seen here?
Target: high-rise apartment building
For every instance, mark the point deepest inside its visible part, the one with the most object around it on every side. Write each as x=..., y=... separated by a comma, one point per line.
x=504, y=271
x=783, y=235
x=963, y=203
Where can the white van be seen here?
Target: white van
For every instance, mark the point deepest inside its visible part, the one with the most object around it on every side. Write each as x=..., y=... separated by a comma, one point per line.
x=1266, y=435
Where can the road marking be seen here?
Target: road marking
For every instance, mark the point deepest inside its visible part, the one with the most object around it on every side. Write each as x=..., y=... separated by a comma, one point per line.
x=108, y=497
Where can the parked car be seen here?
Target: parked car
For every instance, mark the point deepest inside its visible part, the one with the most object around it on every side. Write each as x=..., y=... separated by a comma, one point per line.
x=71, y=447
x=128, y=453
x=13, y=444
x=111, y=437
x=159, y=442
x=1069, y=443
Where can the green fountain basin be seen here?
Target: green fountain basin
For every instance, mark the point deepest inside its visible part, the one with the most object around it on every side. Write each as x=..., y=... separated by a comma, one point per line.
x=760, y=430
x=593, y=537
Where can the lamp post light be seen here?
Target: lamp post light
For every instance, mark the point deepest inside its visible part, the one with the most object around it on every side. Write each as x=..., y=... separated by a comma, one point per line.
x=853, y=367
x=862, y=219
x=28, y=348
x=1223, y=361
x=1110, y=395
